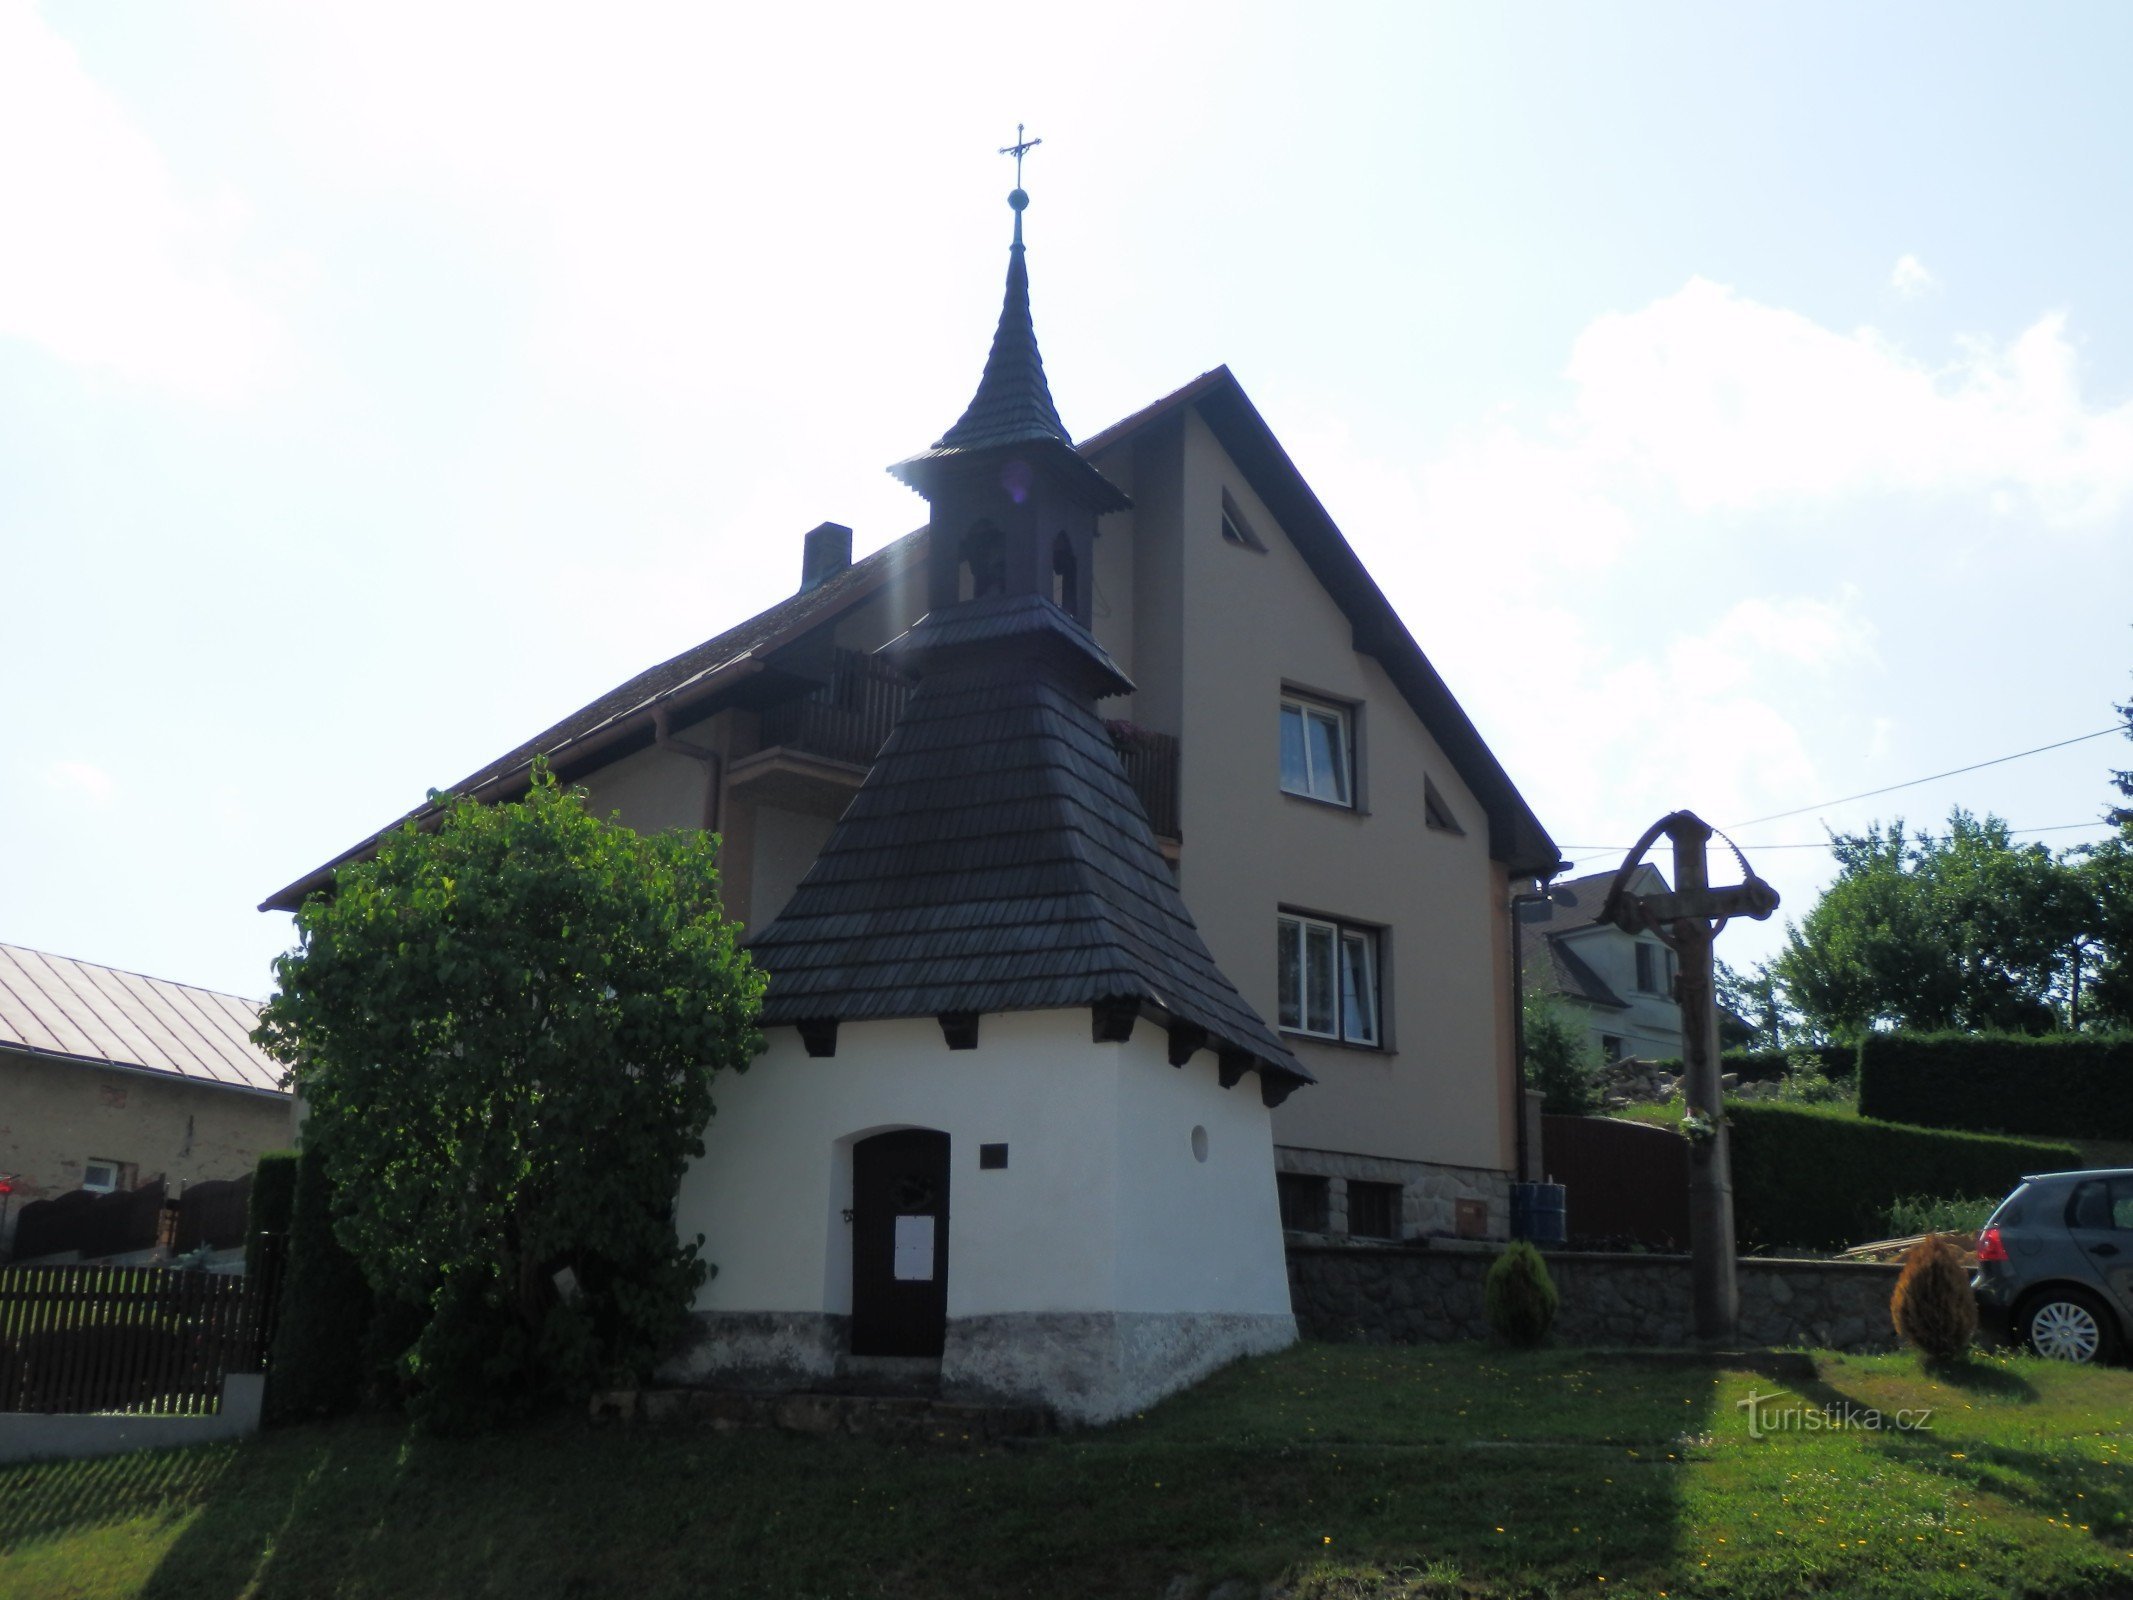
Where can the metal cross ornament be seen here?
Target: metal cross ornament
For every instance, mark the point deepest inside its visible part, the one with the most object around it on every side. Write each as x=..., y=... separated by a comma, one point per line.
x=1020, y=148
x=1687, y=919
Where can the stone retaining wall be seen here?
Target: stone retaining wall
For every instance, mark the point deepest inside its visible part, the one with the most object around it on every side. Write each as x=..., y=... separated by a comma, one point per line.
x=1393, y=1295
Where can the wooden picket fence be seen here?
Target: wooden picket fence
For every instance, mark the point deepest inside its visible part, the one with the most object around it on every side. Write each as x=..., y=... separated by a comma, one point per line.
x=135, y=1339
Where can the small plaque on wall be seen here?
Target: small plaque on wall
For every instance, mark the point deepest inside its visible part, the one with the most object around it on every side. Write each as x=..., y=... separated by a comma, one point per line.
x=1471, y=1218
x=914, y=1249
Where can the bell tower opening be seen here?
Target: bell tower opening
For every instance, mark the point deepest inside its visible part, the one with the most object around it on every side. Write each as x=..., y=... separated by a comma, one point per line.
x=981, y=566
x=1066, y=587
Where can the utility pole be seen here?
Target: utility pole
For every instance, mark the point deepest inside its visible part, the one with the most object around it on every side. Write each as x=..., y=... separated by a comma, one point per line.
x=1688, y=921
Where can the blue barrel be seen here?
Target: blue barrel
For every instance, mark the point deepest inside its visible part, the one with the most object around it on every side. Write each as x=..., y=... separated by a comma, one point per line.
x=1539, y=1212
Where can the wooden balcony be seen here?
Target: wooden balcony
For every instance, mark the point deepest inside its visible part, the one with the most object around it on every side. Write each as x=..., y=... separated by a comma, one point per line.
x=815, y=750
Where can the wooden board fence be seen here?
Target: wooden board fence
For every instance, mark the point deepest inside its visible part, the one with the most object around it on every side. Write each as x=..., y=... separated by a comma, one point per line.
x=136, y=1339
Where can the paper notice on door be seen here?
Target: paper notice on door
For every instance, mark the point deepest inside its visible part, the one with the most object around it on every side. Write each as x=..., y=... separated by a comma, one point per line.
x=914, y=1249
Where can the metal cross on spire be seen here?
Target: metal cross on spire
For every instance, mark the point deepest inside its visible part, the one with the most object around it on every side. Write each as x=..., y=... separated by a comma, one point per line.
x=1020, y=148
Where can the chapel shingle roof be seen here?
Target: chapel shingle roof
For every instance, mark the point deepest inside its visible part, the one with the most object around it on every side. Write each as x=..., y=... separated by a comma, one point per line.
x=1013, y=404
x=997, y=859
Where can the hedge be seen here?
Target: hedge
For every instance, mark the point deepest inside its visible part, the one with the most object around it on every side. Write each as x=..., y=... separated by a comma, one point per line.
x=1810, y=1177
x=273, y=1197
x=2064, y=1085
x=318, y=1360
x=1766, y=1066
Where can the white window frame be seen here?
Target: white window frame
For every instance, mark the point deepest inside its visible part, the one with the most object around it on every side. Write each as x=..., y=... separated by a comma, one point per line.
x=1337, y=787
x=117, y=1170
x=1341, y=938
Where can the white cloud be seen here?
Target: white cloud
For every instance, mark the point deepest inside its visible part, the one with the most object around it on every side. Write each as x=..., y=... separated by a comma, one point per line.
x=1734, y=405
x=109, y=264
x=81, y=783
x=1910, y=278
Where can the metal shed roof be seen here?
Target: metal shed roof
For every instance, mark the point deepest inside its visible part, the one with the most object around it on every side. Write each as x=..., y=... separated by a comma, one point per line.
x=55, y=1006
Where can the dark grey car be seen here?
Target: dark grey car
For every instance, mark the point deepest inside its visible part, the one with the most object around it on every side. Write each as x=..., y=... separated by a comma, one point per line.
x=2055, y=1264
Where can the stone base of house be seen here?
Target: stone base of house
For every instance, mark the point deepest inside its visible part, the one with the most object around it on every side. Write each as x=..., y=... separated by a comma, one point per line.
x=1084, y=1366
x=769, y=1350
x=1098, y=1366
x=1430, y=1195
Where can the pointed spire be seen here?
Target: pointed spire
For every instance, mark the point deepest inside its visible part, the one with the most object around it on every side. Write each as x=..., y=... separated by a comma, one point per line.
x=1013, y=404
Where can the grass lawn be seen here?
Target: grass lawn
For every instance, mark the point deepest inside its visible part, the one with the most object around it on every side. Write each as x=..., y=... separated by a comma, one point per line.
x=1346, y=1472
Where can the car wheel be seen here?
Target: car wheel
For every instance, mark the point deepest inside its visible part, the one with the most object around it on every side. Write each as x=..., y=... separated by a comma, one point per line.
x=2067, y=1325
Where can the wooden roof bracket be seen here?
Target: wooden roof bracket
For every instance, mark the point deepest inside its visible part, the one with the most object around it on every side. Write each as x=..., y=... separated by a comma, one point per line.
x=1185, y=1038
x=1111, y=1020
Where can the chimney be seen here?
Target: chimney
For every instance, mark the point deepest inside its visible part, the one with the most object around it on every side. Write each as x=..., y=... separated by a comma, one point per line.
x=826, y=551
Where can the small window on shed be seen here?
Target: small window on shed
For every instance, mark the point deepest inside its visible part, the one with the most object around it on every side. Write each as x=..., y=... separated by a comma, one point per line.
x=1373, y=1210
x=1304, y=1207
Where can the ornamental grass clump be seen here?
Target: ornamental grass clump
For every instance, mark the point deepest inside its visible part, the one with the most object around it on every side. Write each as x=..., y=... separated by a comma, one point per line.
x=1933, y=1307
x=1520, y=1296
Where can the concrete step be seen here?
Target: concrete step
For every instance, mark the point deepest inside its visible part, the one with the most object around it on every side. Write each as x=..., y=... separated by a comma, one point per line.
x=918, y=1376
x=911, y=1419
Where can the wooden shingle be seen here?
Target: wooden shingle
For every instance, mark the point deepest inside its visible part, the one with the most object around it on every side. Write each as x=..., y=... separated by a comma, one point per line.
x=997, y=858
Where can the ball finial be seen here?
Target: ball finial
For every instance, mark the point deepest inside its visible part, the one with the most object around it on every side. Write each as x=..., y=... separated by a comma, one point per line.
x=1018, y=200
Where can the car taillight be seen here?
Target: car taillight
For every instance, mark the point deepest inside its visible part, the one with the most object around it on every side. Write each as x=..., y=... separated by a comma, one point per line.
x=1990, y=1246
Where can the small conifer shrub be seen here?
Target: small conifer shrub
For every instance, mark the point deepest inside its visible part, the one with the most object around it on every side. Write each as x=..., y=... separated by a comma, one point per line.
x=1933, y=1307
x=1520, y=1296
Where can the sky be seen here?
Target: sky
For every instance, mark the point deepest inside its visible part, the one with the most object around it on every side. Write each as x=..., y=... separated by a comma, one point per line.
x=1736, y=402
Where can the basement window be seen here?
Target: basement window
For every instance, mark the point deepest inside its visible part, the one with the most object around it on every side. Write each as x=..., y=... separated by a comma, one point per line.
x=1304, y=1202
x=1373, y=1210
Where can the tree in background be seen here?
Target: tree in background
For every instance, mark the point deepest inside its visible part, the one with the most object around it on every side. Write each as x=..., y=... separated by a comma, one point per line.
x=2107, y=872
x=1756, y=999
x=1967, y=931
x=505, y=1032
x=1561, y=1061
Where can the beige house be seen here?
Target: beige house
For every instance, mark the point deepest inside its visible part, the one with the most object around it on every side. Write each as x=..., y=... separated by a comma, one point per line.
x=109, y=1080
x=1342, y=836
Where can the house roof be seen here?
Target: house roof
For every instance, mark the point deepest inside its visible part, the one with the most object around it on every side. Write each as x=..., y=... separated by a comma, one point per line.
x=693, y=683
x=997, y=859
x=1591, y=893
x=54, y=1006
x=1553, y=966
x=624, y=715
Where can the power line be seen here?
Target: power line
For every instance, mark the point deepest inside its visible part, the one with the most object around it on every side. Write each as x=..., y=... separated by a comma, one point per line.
x=1603, y=851
x=1912, y=783
x=1915, y=838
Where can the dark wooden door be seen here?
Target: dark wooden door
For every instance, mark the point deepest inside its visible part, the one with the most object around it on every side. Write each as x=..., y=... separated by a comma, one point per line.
x=900, y=1244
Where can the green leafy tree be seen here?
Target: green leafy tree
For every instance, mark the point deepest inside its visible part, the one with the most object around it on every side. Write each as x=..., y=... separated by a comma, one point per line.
x=1756, y=999
x=1561, y=1061
x=505, y=1031
x=2106, y=876
x=1967, y=931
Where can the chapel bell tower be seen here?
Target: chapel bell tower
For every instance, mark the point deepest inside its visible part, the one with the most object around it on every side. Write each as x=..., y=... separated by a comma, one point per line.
x=1014, y=506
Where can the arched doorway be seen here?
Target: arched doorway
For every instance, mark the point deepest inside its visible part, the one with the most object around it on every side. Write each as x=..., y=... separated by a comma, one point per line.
x=900, y=1243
